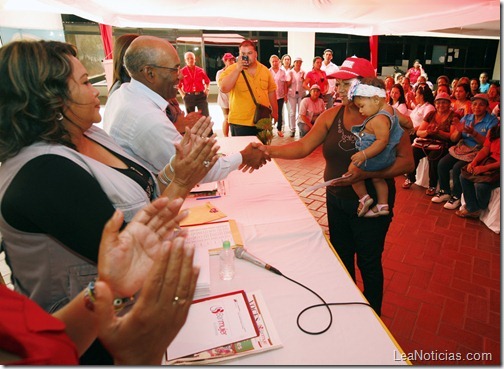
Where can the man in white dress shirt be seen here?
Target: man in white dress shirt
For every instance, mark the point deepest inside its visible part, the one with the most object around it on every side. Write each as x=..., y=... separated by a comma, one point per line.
x=329, y=68
x=135, y=115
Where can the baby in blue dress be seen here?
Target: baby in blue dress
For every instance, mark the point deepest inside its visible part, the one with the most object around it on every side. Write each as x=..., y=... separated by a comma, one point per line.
x=377, y=138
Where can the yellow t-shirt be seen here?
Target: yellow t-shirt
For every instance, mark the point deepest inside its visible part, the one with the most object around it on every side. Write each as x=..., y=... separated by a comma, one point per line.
x=241, y=105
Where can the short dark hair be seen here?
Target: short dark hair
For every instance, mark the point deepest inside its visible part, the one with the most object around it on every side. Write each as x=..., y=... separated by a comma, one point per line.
x=426, y=92
x=494, y=132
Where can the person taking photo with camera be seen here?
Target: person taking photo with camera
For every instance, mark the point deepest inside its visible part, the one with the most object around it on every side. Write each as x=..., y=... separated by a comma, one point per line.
x=241, y=102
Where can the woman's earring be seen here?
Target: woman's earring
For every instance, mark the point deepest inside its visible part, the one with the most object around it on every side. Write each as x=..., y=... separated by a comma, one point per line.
x=59, y=117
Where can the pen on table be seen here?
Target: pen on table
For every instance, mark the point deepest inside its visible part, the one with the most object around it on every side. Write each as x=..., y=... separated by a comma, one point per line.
x=208, y=197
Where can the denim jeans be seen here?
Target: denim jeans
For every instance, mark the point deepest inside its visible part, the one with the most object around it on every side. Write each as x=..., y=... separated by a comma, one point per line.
x=476, y=195
x=280, y=103
x=303, y=129
x=446, y=164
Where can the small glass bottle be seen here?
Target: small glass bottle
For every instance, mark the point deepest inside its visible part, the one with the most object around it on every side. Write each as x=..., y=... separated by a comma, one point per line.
x=227, y=259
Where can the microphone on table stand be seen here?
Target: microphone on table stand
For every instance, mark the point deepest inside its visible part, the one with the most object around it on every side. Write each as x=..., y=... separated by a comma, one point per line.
x=241, y=253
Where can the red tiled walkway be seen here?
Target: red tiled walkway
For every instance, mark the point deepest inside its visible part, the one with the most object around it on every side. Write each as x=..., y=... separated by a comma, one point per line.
x=442, y=273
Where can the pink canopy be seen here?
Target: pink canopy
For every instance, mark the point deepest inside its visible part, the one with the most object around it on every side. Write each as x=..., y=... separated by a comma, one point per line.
x=359, y=17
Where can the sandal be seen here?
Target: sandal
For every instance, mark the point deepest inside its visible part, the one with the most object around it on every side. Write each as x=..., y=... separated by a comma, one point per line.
x=407, y=184
x=364, y=204
x=372, y=213
x=377, y=210
x=464, y=213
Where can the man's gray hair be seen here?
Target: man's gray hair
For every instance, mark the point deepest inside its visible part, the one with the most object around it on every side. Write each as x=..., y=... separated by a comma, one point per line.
x=136, y=57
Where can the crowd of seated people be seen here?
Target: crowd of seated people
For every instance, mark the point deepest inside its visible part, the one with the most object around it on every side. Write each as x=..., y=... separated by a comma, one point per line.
x=443, y=112
x=457, y=115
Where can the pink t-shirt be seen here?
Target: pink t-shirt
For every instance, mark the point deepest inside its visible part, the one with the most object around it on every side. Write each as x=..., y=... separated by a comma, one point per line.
x=414, y=74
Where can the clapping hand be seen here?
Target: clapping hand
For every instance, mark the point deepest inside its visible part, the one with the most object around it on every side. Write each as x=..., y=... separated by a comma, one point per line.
x=469, y=130
x=196, y=154
x=141, y=336
x=458, y=124
x=432, y=129
x=125, y=258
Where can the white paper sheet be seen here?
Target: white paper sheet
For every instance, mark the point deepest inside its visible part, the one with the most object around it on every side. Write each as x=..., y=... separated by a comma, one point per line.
x=326, y=183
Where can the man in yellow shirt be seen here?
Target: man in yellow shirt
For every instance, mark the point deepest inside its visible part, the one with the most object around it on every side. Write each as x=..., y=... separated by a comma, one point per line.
x=241, y=104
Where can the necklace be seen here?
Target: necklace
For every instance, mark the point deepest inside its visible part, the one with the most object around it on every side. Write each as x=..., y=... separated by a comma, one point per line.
x=136, y=171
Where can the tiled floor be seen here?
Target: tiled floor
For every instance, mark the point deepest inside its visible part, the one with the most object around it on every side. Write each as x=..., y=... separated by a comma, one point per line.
x=442, y=273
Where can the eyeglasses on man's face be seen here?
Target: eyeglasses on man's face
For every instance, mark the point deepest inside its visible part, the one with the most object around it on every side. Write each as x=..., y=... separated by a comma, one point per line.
x=177, y=69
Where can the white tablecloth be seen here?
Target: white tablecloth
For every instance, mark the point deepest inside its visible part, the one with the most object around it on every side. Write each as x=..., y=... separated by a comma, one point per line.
x=278, y=228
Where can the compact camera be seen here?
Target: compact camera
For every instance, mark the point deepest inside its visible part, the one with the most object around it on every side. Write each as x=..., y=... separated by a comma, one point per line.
x=245, y=58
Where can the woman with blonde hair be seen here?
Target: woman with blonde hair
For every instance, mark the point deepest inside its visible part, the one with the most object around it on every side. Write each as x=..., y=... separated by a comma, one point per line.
x=286, y=61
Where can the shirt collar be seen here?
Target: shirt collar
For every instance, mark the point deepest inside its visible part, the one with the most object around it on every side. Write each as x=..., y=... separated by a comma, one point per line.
x=139, y=87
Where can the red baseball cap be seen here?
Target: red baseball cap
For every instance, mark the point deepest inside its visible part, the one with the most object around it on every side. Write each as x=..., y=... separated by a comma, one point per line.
x=228, y=56
x=354, y=67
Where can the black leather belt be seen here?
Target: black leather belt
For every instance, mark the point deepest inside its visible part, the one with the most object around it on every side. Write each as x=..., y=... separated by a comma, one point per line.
x=194, y=93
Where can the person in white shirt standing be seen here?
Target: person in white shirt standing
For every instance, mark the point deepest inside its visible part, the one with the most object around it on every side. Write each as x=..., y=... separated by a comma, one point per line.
x=280, y=77
x=329, y=68
x=296, y=92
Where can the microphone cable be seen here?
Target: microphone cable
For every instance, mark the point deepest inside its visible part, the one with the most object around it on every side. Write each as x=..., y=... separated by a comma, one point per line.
x=324, y=303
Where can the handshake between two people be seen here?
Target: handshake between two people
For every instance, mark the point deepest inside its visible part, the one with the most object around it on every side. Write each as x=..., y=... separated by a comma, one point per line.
x=197, y=153
x=254, y=157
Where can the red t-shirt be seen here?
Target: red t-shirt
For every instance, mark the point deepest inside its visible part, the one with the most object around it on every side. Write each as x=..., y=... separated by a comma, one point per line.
x=194, y=79
x=494, y=147
x=32, y=334
x=318, y=78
